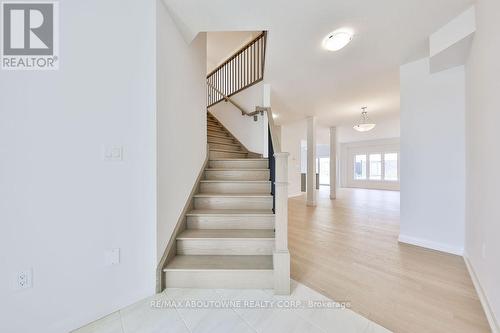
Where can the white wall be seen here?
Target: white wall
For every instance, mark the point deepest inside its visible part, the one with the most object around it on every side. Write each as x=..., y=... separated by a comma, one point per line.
x=291, y=135
x=349, y=150
x=61, y=205
x=244, y=128
x=433, y=157
x=483, y=180
x=182, y=141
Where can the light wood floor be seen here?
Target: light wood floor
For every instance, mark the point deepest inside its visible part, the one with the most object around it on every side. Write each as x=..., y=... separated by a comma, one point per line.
x=348, y=250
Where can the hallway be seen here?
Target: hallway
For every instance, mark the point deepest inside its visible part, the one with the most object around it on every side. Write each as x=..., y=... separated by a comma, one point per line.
x=348, y=250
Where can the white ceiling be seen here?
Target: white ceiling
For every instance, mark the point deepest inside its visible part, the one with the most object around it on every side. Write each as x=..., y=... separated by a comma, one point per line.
x=307, y=80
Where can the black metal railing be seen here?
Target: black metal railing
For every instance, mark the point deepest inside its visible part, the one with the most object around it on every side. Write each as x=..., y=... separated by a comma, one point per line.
x=272, y=168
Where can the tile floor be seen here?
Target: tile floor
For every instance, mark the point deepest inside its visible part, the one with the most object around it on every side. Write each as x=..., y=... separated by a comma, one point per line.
x=167, y=312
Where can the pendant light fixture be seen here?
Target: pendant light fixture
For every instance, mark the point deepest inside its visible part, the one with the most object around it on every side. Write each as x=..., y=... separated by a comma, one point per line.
x=365, y=124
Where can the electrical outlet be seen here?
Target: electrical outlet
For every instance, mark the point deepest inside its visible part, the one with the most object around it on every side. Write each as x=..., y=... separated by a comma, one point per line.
x=483, y=251
x=23, y=279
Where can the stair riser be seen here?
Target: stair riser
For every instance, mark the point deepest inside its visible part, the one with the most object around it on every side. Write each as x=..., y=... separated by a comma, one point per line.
x=235, y=187
x=233, y=246
x=219, y=134
x=219, y=154
x=237, y=174
x=212, y=139
x=227, y=279
x=254, y=155
x=235, y=147
x=214, y=128
x=230, y=222
x=213, y=124
x=237, y=164
x=233, y=203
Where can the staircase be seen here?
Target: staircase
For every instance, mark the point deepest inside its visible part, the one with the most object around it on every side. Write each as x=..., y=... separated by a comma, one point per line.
x=233, y=232
x=229, y=237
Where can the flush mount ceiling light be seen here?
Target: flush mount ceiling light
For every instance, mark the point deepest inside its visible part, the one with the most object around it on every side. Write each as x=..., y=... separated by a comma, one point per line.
x=365, y=124
x=337, y=39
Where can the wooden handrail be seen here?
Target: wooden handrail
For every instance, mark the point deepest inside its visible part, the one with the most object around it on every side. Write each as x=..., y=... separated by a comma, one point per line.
x=240, y=71
x=228, y=99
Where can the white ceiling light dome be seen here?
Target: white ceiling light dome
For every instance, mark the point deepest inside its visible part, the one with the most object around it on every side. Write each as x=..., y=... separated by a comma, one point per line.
x=337, y=39
x=365, y=123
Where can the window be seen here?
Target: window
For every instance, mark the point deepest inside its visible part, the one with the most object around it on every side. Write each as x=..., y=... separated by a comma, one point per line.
x=391, y=166
x=375, y=166
x=324, y=171
x=360, y=167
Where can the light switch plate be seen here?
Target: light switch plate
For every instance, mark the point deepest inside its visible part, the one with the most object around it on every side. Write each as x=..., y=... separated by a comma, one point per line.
x=113, y=153
x=112, y=257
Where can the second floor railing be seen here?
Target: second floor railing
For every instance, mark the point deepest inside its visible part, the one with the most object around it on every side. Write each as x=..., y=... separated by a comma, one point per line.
x=242, y=70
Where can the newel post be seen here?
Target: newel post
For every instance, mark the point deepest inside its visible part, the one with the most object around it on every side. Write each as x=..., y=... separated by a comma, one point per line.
x=281, y=256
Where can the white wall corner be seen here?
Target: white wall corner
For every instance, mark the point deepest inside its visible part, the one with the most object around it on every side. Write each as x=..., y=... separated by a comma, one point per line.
x=482, y=296
x=187, y=34
x=450, y=45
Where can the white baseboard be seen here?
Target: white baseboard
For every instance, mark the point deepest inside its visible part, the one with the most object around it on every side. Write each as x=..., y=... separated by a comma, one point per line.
x=430, y=245
x=482, y=296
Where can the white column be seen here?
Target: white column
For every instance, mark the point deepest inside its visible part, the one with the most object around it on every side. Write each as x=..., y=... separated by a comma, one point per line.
x=281, y=256
x=333, y=162
x=311, y=162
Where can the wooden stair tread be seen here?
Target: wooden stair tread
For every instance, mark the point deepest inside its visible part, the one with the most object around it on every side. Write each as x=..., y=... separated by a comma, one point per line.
x=235, y=181
x=227, y=144
x=241, y=159
x=218, y=134
x=233, y=195
x=217, y=139
x=234, y=169
x=220, y=262
x=226, y=234
x=234, y=212
x=228, y=151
